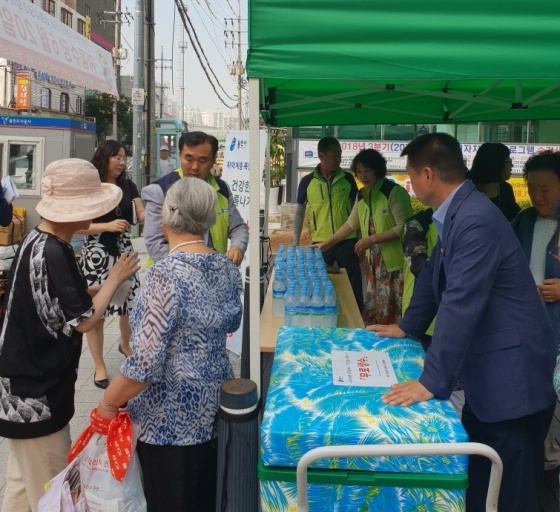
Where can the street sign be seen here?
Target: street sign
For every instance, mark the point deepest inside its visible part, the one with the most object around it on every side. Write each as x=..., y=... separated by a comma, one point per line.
x=137, y=96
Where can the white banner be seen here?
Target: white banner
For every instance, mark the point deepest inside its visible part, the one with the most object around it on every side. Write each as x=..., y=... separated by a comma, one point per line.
x=236, y=173
x=32, y=37
x=391, y=150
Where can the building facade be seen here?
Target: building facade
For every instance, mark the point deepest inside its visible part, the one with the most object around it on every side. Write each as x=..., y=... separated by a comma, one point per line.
x=102, y=30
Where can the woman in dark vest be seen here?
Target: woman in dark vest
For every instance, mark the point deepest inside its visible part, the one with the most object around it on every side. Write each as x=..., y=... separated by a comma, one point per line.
x=490, y=169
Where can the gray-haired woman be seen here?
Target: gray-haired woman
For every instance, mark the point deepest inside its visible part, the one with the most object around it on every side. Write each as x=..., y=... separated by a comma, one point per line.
x=188, y=302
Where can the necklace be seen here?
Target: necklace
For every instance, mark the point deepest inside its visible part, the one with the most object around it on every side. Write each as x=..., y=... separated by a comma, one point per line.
x=190, y=242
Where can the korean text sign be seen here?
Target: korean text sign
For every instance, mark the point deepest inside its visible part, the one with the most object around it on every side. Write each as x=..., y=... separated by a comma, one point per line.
x=31, y=36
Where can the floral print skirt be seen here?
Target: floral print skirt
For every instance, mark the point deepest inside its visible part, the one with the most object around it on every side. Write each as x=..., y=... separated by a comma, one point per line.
x=383, y=296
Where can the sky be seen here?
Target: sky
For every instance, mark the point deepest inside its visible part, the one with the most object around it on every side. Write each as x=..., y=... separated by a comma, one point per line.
x=207, y=17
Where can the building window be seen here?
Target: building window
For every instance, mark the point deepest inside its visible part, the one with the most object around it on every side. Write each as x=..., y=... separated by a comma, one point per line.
x=66, y=17
x=88, y=11
x=45, y=97
x=82, y=27
x=64, y=102
x=50, y=7
x=79, y=105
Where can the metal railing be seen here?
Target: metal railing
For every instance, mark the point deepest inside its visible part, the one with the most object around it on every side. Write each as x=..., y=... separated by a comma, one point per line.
x=327, y=452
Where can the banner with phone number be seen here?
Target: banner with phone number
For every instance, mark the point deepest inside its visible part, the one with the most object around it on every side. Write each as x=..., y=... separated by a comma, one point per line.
x=32, y=37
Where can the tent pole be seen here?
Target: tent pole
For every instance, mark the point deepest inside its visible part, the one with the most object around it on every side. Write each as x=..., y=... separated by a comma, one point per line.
x=254, y=235
x=266, y=180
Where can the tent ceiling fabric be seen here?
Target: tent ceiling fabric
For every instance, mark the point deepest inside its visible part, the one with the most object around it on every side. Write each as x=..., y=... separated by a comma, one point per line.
x=379, y=61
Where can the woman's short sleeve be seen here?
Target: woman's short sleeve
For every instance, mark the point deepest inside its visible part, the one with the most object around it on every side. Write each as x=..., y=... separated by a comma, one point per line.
x=67, y=282
x=133, y=190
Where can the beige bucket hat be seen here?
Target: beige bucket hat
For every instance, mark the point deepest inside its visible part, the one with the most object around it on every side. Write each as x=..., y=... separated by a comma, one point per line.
x=72, y=192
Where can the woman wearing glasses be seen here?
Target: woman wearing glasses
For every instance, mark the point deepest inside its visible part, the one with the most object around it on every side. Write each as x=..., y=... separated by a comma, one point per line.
x=106, y=239
x=491, y=168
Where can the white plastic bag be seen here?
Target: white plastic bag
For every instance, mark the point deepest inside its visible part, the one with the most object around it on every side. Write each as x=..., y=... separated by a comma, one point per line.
x=102, y=491
x=63, y=492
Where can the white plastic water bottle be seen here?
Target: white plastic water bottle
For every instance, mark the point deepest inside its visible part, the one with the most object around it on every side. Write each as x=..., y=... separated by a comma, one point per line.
x=302, y=309
x=330, y=305
x=290, y=304
x=317, y=309
x=278, y=292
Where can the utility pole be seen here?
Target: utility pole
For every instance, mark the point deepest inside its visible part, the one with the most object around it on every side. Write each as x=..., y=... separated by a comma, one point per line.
x=118, y=54
x=149, y=39
x=139, y=148
x=241, y=69
x=183, y=47
x=237, y=69
x=117, y=65
x=161, y=86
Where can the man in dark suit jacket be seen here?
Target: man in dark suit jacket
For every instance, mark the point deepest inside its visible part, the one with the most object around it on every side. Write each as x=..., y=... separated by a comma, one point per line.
x=492, y=332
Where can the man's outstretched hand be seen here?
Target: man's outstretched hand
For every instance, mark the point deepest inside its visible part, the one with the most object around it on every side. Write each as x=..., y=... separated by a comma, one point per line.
x=387, y=331
x=406, y=393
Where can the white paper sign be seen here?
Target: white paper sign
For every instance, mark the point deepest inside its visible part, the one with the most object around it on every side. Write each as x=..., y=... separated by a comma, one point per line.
x=236, y=173
x=137, y=96
x=371, y=369
x=9, y=189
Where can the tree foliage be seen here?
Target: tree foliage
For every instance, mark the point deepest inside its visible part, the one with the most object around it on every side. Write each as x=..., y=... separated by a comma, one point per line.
x=277, y=154
x=100, y=106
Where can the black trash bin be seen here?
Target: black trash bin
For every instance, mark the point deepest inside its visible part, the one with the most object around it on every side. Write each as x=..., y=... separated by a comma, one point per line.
x=237, y=483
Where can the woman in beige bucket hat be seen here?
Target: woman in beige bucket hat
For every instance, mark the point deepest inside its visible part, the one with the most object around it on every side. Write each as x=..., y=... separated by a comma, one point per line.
x=48, y=307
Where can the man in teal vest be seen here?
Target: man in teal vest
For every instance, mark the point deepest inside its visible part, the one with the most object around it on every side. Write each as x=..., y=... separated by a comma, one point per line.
x=330, y=193
x=197, y=155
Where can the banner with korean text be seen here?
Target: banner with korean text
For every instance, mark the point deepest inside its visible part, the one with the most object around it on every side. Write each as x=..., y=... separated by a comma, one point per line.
x=23, y=91
x=391, y=150
x=236, y=173
x=31, y=36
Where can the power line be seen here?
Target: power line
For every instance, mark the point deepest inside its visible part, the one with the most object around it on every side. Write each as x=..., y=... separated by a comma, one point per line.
x=186, y=22
x=213, y=39
x=205, y=57
x=232, y=9
x=210, y=9
x=219, y=7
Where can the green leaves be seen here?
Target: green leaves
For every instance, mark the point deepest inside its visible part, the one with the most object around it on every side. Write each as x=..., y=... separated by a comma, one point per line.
x=100, y=106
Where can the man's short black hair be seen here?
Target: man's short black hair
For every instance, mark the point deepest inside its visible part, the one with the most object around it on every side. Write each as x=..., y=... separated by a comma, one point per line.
x=191, y=139
x=439, y=151
x=327, y=143
x=544, y=161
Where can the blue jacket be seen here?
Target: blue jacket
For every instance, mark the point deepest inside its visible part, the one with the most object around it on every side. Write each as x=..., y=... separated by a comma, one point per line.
x=491, y=331
x=524, y=226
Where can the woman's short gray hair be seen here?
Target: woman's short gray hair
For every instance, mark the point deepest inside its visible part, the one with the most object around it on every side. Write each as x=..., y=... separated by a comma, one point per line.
x=190, y=206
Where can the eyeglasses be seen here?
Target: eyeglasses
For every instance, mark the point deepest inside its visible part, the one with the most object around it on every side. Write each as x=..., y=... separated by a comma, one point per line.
x=119, y=157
